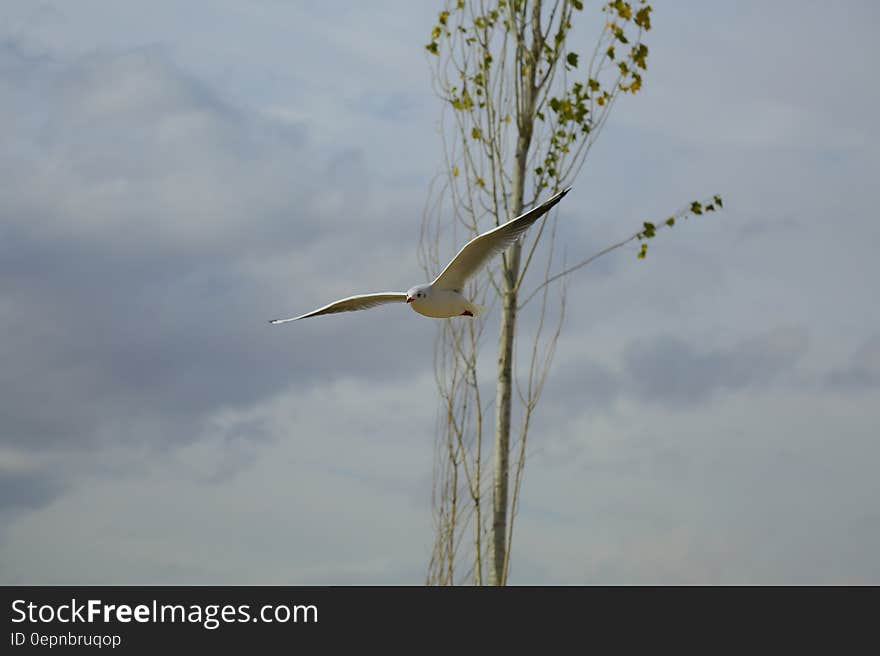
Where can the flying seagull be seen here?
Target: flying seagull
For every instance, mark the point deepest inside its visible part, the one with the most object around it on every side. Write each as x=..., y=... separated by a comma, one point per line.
x=443, y=297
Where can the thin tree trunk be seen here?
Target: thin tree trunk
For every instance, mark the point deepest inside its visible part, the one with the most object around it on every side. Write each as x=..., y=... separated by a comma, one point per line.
x=501, y=473
x=525, y=120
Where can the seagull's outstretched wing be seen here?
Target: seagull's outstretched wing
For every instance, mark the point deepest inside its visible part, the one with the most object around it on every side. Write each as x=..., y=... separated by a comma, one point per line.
x=350, y=304
x=479, y=250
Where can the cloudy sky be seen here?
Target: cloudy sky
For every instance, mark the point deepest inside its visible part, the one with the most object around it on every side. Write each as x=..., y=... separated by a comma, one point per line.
x=174, y=174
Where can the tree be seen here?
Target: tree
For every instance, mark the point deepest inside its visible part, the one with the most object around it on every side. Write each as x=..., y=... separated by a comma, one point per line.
x=522, y=110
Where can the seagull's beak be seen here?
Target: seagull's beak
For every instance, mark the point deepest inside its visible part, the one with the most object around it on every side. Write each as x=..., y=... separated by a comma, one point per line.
x=409, y=299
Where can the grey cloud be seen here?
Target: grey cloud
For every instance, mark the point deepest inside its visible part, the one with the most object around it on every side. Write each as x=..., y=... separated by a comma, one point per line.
x=585, y=384
x=863, y=370
x=148, y=233
x=22, y=490
x=387, y=106
x=667, y=369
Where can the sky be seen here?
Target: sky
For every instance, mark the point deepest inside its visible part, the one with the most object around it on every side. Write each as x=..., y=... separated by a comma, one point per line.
x=175, y=174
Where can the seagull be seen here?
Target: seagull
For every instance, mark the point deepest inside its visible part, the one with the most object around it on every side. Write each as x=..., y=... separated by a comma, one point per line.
x=443, y=298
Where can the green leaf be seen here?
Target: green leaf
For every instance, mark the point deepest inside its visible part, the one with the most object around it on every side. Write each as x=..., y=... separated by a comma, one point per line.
x=577, y=4
x=643, y=251
x=640, y=56
x=643, y=18
x=572, y=59
x=696, y=208
x=432, y=48
x=624, y=10
x=717, y=200
x=636, y=83
x=670, y=221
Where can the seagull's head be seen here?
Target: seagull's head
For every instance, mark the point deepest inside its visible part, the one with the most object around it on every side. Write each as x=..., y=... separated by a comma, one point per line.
x=418, y=293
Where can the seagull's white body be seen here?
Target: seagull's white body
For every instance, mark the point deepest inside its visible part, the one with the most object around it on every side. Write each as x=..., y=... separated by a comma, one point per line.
x=443, y=304
x=443, y=298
